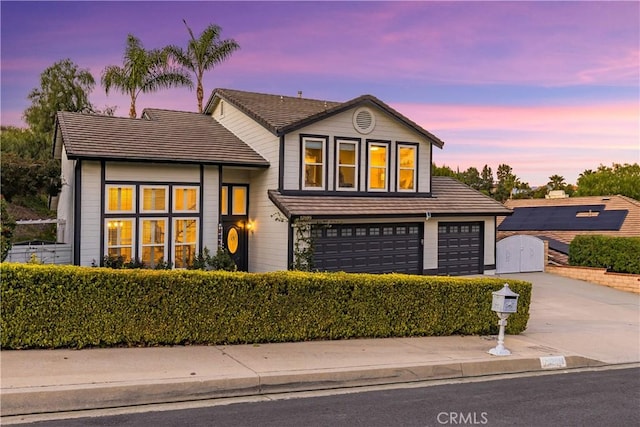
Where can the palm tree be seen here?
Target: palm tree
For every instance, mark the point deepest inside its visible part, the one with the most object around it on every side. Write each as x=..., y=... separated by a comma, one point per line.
x=202, y=54
x=143, y=71
x=556, y=182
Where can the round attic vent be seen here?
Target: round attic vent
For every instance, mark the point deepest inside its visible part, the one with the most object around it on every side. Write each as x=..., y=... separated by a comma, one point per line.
x=363, y=120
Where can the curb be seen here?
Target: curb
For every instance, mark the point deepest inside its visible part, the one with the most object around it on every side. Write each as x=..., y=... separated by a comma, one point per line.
x=31, y=400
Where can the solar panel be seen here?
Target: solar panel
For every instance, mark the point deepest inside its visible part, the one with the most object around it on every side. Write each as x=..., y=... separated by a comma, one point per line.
x=564, y=218
x=556, y=245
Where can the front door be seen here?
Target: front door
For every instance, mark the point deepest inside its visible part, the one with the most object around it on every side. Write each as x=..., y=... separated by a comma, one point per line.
x=234, y=209
x=234, y=234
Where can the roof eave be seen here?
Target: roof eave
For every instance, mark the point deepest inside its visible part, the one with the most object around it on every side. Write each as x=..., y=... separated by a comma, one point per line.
x=261, y=165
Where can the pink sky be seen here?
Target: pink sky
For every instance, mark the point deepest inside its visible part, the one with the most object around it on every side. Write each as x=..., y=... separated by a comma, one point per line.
x=545, y=87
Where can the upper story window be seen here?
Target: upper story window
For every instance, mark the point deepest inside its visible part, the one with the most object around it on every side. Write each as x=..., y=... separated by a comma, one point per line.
x=407, y=161
x=314, y=150
x=154, y=199
x=378, y=166
x=185, y=199
x=120, y=199
x=347, y=165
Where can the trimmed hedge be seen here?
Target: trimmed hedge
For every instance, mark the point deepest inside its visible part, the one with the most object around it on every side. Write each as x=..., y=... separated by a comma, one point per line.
x=66, y=306
x=617, y=254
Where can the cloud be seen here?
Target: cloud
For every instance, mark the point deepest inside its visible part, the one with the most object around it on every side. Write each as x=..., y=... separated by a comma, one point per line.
x=537, y=141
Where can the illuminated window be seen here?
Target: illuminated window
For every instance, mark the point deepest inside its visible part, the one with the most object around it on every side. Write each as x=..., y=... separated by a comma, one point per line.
x=120, y=198
x=119, y=238
x=185, y=233
x=239, y=200
x=224, y=200
x=347, y=165
x=407, y=168
x=154, y=199
x=313, y=163
x=185, y=199
x=378, y=161
x=153, y=242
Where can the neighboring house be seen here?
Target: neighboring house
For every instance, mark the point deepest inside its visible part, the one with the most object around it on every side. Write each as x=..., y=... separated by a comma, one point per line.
x=559, y=220
x=252, y=167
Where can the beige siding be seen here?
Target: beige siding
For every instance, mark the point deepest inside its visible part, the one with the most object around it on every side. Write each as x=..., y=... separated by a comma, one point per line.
x=65, y=210
x=268, y=239
x=150, y=172
x=431, y=239
x=252, y=133
x=210, y=208
x=90, y=225
x=341, y=125
x=232, y=175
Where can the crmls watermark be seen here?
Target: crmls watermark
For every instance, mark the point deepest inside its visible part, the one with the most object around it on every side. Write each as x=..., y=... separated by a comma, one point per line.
x=462, y=418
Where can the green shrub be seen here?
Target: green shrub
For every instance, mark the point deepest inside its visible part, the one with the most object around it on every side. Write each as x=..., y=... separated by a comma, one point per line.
x=46, y=306
x=618, y=254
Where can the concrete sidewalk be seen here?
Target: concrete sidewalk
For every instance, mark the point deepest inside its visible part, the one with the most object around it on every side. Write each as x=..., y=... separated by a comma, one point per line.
x=573, y=324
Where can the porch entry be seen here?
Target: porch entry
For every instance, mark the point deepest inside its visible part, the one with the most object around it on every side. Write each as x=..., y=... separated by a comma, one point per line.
x=234, y=208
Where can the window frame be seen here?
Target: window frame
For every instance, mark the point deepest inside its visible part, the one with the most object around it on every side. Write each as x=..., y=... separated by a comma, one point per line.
x=356, y=166
x=131, y=246
x=144, y=187
x=399, y=167
x=175, y=189
x=142, y=245
x=107, y=189
x=385, y=145
x=324, y=140
x=174, y=232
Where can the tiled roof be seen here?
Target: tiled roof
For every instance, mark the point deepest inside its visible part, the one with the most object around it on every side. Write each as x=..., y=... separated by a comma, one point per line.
x=450, y=197
x=165, y=136
x=282, y=114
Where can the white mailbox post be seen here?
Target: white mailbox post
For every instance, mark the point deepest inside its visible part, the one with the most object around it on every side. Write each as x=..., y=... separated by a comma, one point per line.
x=504, y=302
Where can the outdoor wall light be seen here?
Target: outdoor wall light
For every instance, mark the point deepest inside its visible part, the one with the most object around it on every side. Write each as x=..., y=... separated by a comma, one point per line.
x=504, y=302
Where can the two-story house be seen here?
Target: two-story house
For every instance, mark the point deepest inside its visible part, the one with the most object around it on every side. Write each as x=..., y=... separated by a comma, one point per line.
x=252, y=168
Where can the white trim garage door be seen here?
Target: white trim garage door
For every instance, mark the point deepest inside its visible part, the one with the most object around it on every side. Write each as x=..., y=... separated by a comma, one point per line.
x=369, y=248
x=460, y=248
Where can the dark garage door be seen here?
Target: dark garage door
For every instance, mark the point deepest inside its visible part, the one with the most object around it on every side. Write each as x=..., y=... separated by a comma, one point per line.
x=369, y=248
x=460, y=248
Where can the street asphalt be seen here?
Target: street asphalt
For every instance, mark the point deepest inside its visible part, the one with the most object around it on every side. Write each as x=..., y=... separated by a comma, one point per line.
x=573, y=324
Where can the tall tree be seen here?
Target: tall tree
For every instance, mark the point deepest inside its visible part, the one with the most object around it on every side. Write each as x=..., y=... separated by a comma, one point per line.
x=143, y=71
x=487, y=180
x=63, y=87
x=507, y=181
x=472, y=178
x=623, y=179
x=202, y=54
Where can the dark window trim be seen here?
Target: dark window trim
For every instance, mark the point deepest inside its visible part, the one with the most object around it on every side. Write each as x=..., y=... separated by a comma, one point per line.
x=281, y=163
x=336, y=146
x=370, y=142
x=170, y=215
x=230, y=186
x=400, y=144
x=325, y=163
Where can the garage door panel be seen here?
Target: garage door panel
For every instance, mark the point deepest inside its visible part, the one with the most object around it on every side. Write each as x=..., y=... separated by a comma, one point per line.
x=459, y=248
x=371, y=248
